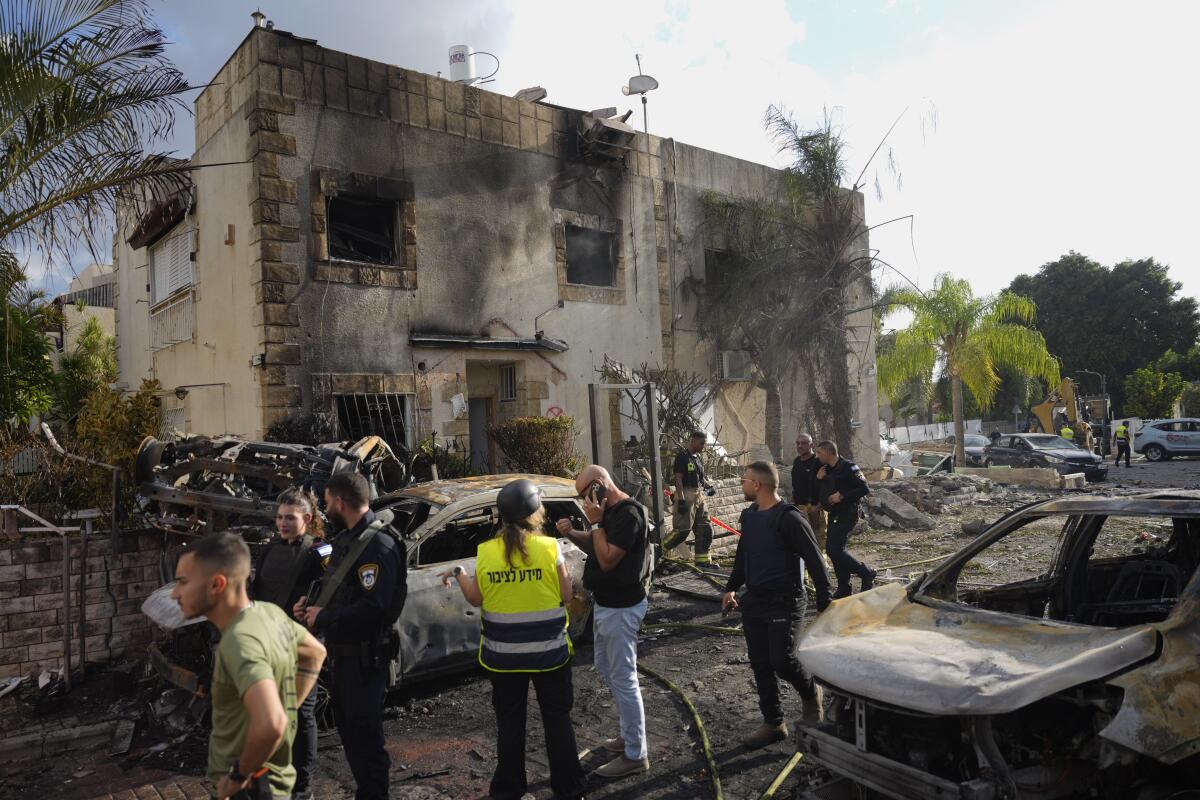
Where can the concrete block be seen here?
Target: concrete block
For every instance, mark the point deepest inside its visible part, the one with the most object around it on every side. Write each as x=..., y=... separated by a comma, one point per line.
x=292, y=83
x=511, y=134
x=398, y=106
x=274, y=314
x=454, y=98
x=337, y=94
x=1008, y=476
x=901, y=512
x=418, y=111
x=510, y=109
x=528, y=133
x=283, y=353
x=12, y=572
x=489, y=105
x=437, y=115
x=474, y=127
x=9, y=590
x=356, y=72
x=456, y=124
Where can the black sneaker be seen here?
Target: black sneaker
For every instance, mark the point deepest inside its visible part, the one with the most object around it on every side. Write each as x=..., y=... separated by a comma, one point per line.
x=868, y=580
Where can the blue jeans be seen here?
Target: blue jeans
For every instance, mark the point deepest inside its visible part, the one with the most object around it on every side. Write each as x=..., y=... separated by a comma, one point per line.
x=615, y=632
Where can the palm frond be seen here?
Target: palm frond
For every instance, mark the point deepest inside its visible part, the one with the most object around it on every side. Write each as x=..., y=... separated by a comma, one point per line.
x=1018, y=348
x=85, y=90
x=912, y=358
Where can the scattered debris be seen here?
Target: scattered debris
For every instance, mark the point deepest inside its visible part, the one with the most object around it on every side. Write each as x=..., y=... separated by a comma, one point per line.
x=204, y=483
x=122, y=738
x=9, y=685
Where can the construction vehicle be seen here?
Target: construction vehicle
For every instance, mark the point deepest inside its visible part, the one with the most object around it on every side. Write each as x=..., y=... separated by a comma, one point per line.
x=1066, y=402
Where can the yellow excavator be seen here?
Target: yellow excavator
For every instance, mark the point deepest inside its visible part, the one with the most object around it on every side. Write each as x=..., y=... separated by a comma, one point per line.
x=1065, y=401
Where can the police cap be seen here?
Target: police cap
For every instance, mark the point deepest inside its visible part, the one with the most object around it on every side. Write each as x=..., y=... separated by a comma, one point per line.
x=518, y=500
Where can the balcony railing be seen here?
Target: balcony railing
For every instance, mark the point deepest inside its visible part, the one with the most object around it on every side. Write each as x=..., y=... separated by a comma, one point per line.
x=171, y=322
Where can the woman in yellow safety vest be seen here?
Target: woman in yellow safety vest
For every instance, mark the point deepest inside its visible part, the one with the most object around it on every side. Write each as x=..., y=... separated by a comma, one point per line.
x=522, y=582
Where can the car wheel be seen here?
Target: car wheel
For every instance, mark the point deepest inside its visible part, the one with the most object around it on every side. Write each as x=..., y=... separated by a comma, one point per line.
x=1156, y=452
x=987, y=462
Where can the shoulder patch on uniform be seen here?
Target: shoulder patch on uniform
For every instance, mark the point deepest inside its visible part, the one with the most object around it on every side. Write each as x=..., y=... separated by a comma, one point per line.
x=324, y=550
x=367, y=575
x=855, y=468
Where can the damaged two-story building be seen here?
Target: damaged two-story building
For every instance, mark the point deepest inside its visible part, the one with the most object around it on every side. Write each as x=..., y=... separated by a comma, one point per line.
x=411, y=256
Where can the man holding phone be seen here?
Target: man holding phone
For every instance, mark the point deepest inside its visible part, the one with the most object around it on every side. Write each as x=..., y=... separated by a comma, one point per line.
x=616, y=573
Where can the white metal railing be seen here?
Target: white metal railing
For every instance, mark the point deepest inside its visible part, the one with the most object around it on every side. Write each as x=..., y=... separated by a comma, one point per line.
x=171, y=322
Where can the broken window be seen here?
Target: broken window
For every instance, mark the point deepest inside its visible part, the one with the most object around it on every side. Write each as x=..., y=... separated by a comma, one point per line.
x=591, y=256
x=384, y=415
x=508, y=382
x=363, y=229
x=718, y=269
x=460, y=538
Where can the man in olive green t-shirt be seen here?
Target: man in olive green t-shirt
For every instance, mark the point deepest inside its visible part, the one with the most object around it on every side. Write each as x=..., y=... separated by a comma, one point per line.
x=266, y=665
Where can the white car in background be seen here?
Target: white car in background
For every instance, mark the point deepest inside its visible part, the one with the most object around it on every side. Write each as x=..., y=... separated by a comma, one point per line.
x=1161, y=439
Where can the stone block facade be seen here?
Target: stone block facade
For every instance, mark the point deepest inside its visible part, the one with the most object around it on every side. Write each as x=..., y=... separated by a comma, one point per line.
x=114, y=587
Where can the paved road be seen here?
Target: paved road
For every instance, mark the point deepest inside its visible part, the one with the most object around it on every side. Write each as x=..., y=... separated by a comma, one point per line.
x=1178, y=473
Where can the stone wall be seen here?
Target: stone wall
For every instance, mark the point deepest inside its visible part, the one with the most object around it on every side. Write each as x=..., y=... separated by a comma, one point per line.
x=31, y=601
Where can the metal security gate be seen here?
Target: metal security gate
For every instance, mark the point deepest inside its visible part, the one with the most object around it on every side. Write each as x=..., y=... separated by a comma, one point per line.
x=375, y=414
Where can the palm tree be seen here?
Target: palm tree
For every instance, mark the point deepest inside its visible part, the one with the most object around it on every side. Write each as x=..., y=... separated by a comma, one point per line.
x=85, y=90
x=968, y=338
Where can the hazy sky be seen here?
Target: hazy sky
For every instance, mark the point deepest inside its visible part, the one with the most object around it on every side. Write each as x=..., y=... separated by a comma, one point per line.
x=1033, y=128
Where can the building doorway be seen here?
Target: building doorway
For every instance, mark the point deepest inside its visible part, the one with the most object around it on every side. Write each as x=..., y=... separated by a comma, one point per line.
x=481, y=412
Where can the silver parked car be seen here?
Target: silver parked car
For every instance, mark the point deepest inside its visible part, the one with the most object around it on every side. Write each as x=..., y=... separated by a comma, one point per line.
x=1160, y=439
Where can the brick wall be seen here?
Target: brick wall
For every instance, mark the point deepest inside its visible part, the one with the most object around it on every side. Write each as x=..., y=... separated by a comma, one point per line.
x=31, y=599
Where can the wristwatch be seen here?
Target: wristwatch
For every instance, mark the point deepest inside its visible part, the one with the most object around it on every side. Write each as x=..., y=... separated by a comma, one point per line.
x=458, y=570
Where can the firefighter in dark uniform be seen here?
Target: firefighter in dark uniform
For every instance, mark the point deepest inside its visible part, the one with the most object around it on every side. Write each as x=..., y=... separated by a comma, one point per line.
x=282, y=573
x=690, y=488
x=361, y=596
x=842, y=488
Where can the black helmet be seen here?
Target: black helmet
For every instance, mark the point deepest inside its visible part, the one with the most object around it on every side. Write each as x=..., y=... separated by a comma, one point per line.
x=518, y=500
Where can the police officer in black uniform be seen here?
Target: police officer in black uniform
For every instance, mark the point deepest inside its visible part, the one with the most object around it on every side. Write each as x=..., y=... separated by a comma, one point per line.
x=283, y=570
x=361, y=597
x=842, y=488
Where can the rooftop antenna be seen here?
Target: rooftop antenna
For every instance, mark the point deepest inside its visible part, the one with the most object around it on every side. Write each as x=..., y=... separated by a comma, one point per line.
x=640, y=84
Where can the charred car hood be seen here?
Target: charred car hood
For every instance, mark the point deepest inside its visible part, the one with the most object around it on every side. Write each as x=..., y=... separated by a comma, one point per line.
x=949, y=659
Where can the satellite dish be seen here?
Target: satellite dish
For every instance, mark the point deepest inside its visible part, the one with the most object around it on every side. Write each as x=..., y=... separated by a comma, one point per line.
x=640, y=84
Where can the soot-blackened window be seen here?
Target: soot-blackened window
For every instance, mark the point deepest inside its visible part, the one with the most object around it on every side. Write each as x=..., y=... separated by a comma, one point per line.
x=363, y=229
x=591, y=256
x=718, y=269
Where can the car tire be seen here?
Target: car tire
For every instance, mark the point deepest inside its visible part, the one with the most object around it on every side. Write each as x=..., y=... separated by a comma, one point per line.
x=1156, y=452
x=987, y=463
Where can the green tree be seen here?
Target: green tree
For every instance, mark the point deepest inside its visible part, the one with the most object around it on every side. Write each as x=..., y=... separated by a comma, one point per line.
x=967, y=339
x=1190, y=400
x=26, y=374
x=1186, y=364
x=1151, y=394
x=1109, y=320
x=788, y=263
x=89, y=367
x=85, y=88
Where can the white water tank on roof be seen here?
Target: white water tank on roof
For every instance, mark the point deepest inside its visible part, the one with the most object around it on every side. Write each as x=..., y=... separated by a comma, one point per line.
x=462, y=64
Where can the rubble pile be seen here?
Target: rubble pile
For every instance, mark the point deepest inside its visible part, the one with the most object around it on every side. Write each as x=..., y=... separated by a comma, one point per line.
x=933, y=494
x=909, y=504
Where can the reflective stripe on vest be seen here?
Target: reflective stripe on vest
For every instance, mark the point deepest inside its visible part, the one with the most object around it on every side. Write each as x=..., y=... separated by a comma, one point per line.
x=524, y=622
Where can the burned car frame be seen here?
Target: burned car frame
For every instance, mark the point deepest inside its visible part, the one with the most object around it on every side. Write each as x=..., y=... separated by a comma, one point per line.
x=1083, y=681
x=203, y=483
x=442, y=523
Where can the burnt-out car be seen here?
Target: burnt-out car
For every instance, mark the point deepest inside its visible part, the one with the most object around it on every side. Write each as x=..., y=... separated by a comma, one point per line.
x=204, y=483
x=1079, y=679
x=443, y=522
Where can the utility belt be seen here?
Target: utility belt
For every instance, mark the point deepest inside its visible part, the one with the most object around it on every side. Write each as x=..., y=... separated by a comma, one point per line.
x=377, y=652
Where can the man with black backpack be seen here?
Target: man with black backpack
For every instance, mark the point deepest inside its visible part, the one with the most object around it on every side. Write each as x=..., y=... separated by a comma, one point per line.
x=776, y=546
x=355, y=611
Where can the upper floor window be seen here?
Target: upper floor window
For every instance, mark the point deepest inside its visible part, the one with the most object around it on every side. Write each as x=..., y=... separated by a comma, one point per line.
x=171, y=263
x=591, y=256
x=363, y=229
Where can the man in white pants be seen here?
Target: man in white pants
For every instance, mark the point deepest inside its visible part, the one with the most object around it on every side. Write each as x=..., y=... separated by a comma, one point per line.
x=616, y=572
